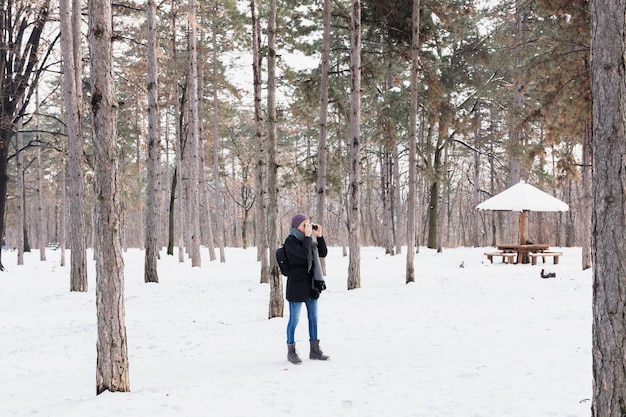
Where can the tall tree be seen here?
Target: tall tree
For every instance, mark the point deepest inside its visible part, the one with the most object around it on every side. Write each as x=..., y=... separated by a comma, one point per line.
x=322, y=149
x=259, y=150
x=411, y=198
x=217, y=183
x=354, y=214
x=176, y=217
x=21, y=193
x=41, y=221
x=608, y=83
x=72, y=82
x=206, y=224
x=277, y=302
x=154, y=153
x=21, y=26
x=193, y=158
x=112, y=373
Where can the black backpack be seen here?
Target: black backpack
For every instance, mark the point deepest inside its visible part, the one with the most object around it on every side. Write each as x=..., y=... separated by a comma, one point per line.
x=283, y=262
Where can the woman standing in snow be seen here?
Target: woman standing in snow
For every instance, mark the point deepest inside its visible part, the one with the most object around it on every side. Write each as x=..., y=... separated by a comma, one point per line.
x=305, y=282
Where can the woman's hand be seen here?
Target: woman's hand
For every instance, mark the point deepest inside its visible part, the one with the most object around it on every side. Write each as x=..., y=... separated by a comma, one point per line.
x=318, y=230
x=308, y=229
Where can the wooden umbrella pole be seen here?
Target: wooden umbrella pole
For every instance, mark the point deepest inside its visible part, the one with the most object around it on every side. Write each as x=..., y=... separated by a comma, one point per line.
x=522, y=227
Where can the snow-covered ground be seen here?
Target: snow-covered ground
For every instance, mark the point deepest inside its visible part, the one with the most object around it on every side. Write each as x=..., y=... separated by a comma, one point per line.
x=478, y=340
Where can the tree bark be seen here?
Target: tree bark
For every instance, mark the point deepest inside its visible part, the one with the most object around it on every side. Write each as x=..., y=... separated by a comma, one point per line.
x=322, y=148
x=154, y=153
x=217, y=196
x=72, y=82
x=276, y=305
x=354, y=214
x=176, y=212
x=21, y=209
x=586, y=198
x=193, y=157
x=206, y=221
x=42, y=232
x=62, y=210
x=608, y=86
x=259, y=152
x=112, y=371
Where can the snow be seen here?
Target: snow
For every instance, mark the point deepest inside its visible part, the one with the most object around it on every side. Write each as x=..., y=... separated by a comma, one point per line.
x=479, y=340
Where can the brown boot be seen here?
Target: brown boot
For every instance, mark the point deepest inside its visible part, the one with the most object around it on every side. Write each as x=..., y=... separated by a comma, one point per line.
x=292, y=356
x=316, y=352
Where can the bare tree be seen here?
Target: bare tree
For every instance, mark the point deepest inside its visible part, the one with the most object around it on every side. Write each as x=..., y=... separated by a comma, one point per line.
x=72, y=81
x=354, y=214
x=154, y=153
x=277, y=302
x=608, y=87
x=21, y=26
x=411, y=203
x=112, y=371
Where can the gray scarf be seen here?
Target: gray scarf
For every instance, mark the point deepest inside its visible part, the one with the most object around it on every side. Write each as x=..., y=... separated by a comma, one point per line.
x=313, y=257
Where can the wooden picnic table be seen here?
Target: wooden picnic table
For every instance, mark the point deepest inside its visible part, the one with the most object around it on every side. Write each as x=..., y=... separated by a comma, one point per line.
x=523, y=251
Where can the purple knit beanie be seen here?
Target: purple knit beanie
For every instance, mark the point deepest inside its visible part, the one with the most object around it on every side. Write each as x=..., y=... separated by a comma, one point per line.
x=298, y=219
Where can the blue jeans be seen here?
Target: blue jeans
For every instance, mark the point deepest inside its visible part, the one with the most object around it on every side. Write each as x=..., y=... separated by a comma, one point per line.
x=294, y=318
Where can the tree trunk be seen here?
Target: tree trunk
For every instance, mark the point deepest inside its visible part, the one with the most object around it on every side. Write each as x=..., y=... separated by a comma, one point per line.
x=259, y=152
x=42, y=232
x=433, y=206
x=62, y=210
x=386, y=174
x=176, y=216
x=171, y=218
x=433, y=209
x=112, y=373
x=72, y=83
x=193, y=157
x=443, y=236
x=397, y=202
x=276, y=305
x=21, y=209
x=154, y=153
x=354, y=214
x=218, y=203
x=322, y=148
x=608, y=86
x=476, y=179
x=585, y=234
x=206, y=221
x=515, y=147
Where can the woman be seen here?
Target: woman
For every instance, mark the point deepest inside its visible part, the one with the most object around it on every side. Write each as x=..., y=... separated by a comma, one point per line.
x=305, y=282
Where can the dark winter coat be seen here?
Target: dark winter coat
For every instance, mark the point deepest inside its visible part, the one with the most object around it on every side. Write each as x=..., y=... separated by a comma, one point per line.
x=299, y=253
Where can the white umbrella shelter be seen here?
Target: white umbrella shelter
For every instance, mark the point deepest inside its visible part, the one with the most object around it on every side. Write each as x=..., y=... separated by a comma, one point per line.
x=523, y=197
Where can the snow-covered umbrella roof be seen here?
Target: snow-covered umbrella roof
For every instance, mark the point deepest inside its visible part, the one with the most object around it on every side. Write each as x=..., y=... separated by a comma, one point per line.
x=523, y=197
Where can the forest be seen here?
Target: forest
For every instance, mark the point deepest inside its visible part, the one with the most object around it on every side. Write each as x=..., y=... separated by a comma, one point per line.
x=503, y=95
x=195, y=126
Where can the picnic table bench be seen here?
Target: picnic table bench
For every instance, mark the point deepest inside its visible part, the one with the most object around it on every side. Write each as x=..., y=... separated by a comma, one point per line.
x=507, y=257
x=542, y=255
